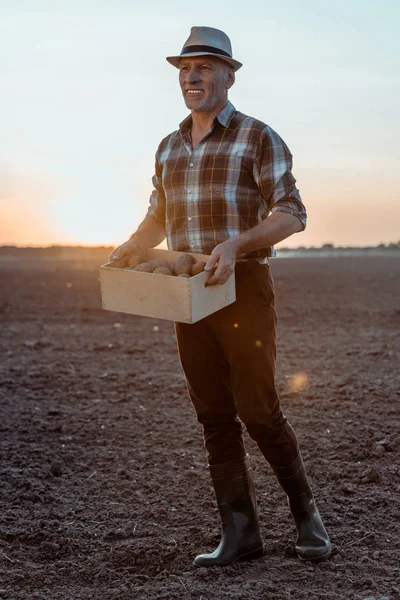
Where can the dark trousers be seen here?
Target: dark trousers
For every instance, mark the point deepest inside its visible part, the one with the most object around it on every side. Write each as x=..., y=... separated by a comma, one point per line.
x=228, y=360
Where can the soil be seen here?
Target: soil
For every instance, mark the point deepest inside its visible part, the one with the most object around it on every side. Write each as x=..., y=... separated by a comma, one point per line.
x=104, y=485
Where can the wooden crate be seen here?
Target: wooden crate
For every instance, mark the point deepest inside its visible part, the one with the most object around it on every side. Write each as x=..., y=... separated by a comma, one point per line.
x=163, y=296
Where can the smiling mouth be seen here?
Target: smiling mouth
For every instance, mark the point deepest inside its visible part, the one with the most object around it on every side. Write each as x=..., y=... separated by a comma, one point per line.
x=193, y=92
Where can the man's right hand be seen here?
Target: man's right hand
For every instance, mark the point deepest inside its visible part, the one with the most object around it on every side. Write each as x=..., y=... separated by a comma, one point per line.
x=132, y=246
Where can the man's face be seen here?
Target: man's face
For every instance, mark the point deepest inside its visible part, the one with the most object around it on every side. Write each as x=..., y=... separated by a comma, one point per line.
x=205, y=81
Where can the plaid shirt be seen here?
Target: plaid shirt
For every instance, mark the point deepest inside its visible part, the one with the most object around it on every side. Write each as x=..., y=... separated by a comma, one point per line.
x=237, y=174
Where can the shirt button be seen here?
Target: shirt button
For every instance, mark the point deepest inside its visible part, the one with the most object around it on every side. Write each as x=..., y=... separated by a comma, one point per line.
x=189, y=191
x=191, y=165
x=189, y=218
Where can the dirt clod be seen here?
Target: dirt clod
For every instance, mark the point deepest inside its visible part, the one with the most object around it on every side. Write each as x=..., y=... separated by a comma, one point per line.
x=56, y=469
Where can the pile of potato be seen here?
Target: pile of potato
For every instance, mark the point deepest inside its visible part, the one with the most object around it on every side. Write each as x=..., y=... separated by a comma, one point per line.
x=183, y=266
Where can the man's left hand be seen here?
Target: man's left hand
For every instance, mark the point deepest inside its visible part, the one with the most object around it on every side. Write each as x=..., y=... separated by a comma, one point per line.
x=222, y=261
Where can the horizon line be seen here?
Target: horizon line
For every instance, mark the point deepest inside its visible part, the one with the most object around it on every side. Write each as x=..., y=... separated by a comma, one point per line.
x=325, y=246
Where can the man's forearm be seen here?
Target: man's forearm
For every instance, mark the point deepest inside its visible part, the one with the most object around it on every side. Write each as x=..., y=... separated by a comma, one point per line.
x=277, y=227
x=149, y=234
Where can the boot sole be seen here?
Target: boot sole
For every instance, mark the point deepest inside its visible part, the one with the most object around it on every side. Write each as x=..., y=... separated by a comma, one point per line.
x=252, y=555
x=244, y=557
x=317, y=558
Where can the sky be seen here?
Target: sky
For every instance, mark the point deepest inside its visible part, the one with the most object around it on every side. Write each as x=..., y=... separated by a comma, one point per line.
x=86, y=96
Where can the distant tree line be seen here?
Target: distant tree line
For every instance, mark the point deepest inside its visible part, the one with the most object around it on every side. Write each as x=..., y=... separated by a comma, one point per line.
x=102, y=252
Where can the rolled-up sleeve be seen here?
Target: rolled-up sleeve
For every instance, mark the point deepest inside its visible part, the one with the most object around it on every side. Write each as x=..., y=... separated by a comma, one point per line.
x=156, y=207
x=273, y=173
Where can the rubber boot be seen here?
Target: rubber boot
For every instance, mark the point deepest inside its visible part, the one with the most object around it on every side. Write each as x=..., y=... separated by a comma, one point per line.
x=312, y=541
x=236, y=499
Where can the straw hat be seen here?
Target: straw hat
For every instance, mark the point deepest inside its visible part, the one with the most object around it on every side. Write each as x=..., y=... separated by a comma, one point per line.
x=204, y=41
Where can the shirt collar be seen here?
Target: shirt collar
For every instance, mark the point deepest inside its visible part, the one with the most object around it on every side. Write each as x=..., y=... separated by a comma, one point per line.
x=224, y=117
x=226, y=114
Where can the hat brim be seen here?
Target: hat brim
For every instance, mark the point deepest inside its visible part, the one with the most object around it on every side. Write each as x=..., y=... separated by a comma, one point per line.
x=175, y=60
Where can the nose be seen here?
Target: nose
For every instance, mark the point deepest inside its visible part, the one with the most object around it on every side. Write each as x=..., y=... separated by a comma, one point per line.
x=192, y=76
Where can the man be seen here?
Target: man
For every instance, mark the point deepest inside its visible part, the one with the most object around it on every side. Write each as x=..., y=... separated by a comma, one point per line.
x=223, y=186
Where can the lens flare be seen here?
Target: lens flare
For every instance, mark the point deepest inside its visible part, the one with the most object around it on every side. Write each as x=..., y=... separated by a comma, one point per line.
x=298, y=382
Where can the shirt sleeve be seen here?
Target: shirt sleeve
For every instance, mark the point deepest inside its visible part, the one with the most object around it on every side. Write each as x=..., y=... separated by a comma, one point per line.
x=273, y=175
x=157, y=198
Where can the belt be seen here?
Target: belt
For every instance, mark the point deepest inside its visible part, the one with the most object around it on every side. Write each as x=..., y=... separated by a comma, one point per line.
x=263, y=261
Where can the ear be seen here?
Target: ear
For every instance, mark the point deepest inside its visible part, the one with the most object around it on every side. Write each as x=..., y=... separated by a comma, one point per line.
x=230, y=78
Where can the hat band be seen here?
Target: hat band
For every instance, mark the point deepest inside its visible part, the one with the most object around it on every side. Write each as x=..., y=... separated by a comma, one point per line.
x=199, y=48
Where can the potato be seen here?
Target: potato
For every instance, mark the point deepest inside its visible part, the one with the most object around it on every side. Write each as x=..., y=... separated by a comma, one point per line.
x=183, y=264
x=160, y=262
x=162, y=271
x=198, y=267
x=185, y=275
x=189, y=257
x=144, y=267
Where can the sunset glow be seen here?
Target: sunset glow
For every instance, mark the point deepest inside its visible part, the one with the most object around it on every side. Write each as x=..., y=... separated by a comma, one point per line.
x=89, y=96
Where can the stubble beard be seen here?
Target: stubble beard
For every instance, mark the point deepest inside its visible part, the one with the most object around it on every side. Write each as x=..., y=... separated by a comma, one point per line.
x=205, y=105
